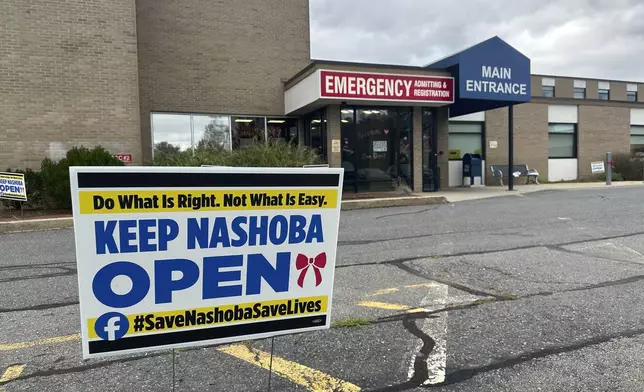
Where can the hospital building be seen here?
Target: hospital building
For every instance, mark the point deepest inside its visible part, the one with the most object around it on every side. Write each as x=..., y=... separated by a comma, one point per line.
x=137, y=76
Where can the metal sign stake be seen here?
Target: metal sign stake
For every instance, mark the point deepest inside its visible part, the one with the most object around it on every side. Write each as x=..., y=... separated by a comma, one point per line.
x=173, y=371
x=270, y=364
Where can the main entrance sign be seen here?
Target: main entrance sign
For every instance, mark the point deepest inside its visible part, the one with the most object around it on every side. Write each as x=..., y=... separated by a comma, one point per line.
x=386, y=87
x=496, y=80
x=180, y=257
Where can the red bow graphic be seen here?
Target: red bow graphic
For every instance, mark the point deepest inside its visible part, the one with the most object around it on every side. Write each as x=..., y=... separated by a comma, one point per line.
x=303, y=262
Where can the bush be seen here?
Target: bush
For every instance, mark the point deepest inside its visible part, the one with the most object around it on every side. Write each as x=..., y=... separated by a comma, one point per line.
x=271, y=154
x=55, y=175
x=629, y=168
x=614, y=177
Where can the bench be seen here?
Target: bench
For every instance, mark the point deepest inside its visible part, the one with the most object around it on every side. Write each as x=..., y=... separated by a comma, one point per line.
x=520, y=170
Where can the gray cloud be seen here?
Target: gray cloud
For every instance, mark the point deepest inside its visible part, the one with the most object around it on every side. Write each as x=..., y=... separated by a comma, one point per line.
x=585, y=38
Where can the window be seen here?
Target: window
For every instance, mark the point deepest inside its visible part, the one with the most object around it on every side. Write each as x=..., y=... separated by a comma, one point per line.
x=282, y=129
x=315, y=133
x=637, y=141
x=631, y=96
x=562, y=141
x=548, y=91
x=579, y=93
x=604, y=94
x=211, y=131
x=171, y=133
x=464, y=138
x=248, y=130
x=174, y=132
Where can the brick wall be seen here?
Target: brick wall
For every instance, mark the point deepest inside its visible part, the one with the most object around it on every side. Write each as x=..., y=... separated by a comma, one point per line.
x=213, y=57
x=68, y=76
x=530, y=138
x=602, y=129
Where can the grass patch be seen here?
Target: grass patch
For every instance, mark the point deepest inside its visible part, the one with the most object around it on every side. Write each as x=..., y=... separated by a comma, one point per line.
x=508, y=297
x=351, y=323
x=479, y=302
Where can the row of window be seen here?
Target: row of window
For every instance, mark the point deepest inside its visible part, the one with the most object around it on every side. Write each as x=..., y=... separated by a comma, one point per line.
x=562, y=140
x=179, y=132
x=580, y=93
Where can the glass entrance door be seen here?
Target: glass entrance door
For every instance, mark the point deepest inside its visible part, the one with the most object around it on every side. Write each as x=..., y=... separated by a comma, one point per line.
x=376, y=148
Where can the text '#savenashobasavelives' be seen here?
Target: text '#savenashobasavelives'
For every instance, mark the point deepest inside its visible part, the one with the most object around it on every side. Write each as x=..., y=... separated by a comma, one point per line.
x=106, y=202
x=166, y=259
x=219, y=315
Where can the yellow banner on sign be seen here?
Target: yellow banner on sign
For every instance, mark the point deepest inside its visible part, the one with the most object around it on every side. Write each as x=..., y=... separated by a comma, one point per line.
x=218, y=315
x=118, y=202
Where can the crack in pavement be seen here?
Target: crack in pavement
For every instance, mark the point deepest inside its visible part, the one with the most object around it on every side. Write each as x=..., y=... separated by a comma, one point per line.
x=420, y=274
x=66, y=272
x=418, y=315
x=421, y=372
x=513, y=276
x=485, y=252
x=407, y=213
x=80, y=369
x=41, y=265
x=417, y=236
x=559, y=248
x=39, y=307
x=467, y=373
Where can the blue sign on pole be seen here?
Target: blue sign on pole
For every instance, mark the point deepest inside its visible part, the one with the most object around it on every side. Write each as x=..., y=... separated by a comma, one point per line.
x=494, y=70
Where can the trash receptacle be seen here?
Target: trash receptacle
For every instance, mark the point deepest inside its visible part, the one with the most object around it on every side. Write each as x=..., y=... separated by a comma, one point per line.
x=472, y=169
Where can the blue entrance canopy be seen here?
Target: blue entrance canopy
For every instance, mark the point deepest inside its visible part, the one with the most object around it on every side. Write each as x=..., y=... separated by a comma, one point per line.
x=489, y=75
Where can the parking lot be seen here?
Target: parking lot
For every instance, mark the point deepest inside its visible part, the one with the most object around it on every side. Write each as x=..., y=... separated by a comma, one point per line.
x=542, y=291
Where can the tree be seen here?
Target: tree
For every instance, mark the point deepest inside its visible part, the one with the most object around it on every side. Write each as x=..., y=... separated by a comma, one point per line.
x=166, y=148
x=215, y=136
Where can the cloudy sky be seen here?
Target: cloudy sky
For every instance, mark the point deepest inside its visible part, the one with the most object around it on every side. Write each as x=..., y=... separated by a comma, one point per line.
x=584, y=38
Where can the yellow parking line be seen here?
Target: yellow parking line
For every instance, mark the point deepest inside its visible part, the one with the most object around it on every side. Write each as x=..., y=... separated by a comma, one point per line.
x=395, y=289
x=12, y=372
x=383, y=305
x=384, y=291
x=422, y=285
x=39, y=342
x=389, y=306
x=313, y=380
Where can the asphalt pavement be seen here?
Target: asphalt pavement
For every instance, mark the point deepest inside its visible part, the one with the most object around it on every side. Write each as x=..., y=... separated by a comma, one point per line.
x=537, y=292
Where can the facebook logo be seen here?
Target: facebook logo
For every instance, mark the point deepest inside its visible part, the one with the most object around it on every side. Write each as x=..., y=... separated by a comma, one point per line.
x=111, y=326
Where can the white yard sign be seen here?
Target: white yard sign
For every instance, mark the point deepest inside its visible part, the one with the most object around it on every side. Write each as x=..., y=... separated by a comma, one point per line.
x=180, y=257
x=597, y=167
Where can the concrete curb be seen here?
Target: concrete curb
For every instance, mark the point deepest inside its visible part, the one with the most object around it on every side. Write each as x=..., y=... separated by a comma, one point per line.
x=36, y=225
x=350, y=205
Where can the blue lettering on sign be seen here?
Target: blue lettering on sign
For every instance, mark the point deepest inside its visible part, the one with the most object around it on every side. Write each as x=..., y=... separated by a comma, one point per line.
x=102, y=284
x=221, y=275
x=216, y=282
x=152, y=235
x=253, y=231
x=164, y=285
x=493, y=70
x=106, y=234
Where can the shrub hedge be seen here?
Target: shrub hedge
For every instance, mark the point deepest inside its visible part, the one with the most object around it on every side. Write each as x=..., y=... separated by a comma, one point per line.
x=271, y=154
x=49, y=188
x=629, y=168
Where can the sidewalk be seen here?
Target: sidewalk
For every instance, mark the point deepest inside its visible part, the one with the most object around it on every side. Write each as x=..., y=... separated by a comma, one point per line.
x=57, y=221
x=453, y=195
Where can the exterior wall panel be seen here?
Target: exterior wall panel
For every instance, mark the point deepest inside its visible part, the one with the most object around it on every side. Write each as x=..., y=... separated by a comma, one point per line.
x=530, y=138
x=213, y=57
x=601, y=129
x=68, y=77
